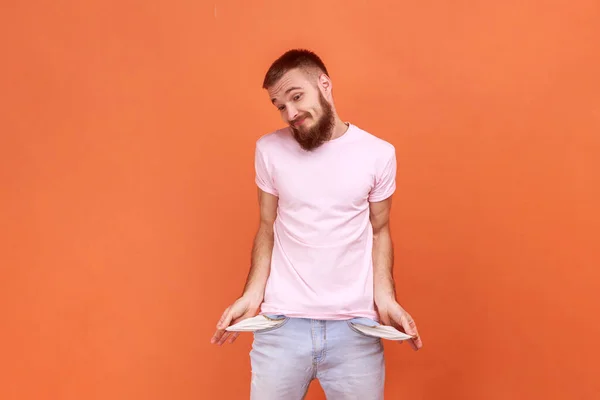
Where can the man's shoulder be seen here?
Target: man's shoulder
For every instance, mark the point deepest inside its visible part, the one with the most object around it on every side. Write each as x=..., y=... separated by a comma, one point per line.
x=273, y=138
x=375, y=143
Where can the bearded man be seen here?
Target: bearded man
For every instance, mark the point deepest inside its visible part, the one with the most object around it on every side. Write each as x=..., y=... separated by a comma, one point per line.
x=322, y=256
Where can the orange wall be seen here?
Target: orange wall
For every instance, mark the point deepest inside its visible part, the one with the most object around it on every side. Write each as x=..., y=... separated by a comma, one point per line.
x=128, y=204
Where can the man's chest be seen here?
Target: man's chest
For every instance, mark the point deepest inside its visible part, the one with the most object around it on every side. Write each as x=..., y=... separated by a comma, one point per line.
x=343, y=180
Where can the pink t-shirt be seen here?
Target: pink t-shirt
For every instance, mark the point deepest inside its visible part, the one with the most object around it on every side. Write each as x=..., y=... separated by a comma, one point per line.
x=322, y=266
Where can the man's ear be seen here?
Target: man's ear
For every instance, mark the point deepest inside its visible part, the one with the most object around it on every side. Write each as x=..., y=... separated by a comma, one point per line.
x=326, y=85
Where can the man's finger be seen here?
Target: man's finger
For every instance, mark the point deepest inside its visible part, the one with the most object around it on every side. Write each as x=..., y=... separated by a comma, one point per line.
x=412, y=344
x=221, y=325
x=416, y=343
x=409, y=325
x=224, y=338
x=216, y=336
x=233, y=337
x=225, y=319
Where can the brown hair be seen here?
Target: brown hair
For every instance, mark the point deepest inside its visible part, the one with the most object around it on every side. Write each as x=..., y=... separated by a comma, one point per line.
x=297, y=58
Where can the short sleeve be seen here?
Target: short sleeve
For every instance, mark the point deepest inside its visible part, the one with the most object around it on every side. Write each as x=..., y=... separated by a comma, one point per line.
x=385, y=179
x=263, y=177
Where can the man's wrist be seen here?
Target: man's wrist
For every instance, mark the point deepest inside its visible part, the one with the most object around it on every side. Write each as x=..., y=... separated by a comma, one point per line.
x=255, y=297
x=384, y=295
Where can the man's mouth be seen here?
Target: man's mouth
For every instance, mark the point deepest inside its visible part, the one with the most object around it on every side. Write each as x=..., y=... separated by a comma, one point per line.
x=299, y=121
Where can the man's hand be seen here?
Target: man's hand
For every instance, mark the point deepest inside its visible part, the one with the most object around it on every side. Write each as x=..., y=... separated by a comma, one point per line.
x=248, y=305
x=242, y=309
x=392, y=314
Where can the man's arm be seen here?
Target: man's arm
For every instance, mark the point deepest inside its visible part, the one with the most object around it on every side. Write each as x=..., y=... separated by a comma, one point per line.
x=249, y=303
x=390, y=312
x=262, y=249
x=383, y=251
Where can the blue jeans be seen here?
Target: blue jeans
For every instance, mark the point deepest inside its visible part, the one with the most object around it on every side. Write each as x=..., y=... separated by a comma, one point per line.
x=285, y=359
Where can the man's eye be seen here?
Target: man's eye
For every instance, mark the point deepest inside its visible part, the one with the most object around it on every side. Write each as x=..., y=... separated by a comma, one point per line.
x=281, y=108
x=297, y=97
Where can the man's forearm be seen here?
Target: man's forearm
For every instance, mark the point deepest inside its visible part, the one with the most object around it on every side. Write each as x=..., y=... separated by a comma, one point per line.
x=383, y=262
x=262, y=250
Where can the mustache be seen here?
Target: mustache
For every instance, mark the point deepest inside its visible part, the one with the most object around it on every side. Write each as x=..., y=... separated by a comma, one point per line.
x=298, y=119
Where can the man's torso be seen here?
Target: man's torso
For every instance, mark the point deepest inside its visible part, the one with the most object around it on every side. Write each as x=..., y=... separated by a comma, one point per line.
x=321, y=266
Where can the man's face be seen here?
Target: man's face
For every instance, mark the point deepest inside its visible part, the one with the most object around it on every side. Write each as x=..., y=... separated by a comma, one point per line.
x=304, y=108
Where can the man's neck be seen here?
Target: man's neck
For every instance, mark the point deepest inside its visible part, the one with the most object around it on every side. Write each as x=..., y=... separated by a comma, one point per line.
x=339, y=128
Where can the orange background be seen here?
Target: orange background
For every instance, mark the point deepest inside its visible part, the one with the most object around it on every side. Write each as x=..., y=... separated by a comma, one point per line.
x=128, y=204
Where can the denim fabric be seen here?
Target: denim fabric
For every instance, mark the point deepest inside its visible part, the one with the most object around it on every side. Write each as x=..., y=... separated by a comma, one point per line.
x=347, y=363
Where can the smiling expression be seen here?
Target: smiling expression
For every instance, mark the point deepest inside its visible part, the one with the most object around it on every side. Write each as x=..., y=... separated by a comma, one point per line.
x=303, y=107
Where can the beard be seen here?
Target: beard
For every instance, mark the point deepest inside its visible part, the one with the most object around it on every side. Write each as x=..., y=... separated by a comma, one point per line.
x=313, y=137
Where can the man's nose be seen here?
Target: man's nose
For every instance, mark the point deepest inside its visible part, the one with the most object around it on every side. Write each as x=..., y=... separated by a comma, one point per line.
x=292, y=113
